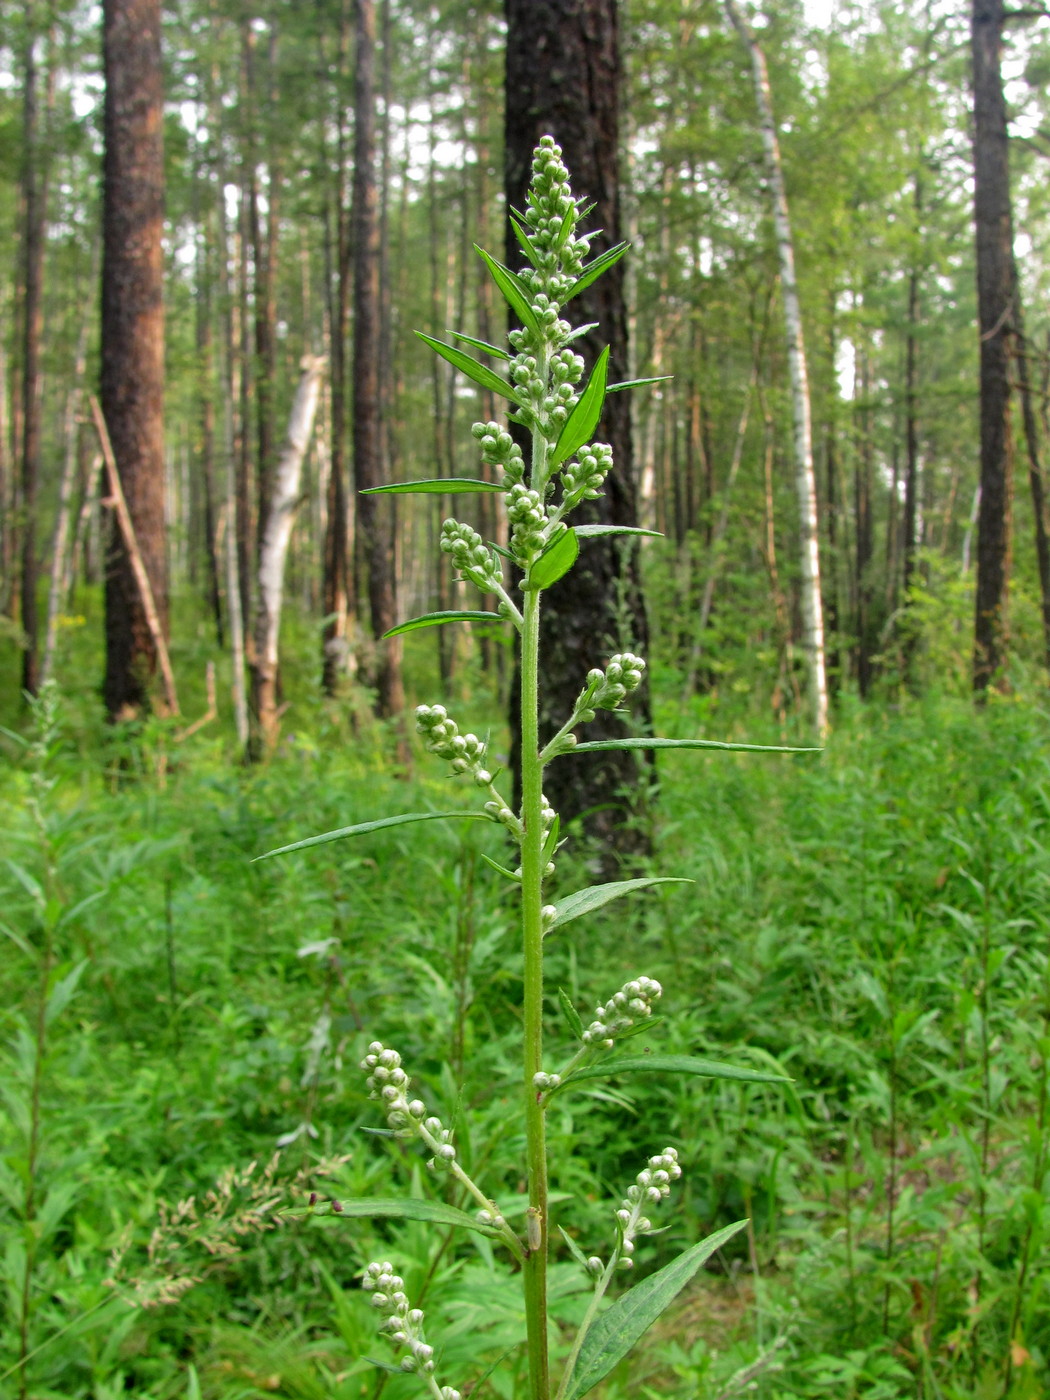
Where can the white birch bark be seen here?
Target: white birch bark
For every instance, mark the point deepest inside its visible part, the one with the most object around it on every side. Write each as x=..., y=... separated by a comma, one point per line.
x=805, y=480
x=60, y=543
x=274, y=550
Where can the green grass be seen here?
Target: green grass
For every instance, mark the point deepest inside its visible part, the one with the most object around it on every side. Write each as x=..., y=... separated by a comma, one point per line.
x=873, y=922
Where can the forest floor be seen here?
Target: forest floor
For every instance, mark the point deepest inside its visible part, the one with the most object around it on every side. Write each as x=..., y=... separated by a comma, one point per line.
x=872, y=923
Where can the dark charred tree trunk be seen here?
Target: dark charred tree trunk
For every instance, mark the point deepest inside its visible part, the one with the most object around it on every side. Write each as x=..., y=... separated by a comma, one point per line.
x=264, y=266
x=1036, y=480
x=995, y=300
x=564, y=75
x=206, y=422
x=336, y=581
x=132, y=379
x=375, y=514
x=864, y=591
x=34, y=186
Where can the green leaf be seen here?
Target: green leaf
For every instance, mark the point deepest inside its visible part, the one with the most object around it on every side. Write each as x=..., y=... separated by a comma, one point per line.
x=435, y=486
x=590, y=531
x=579, y=426
x=383, y=1365
x=394, y=1208
x=615, y=1332
x=586, y=901
x=521, y=234
x=481, y=374
x=502, y=869
x=62, y=992
x=574, y=1249
x=570, y=1013
x=434, y=619
x=672, y=1064
x=594, y=270
x=512, y=289
x=364, y=827
x=555, y=561
x=594, y=745
x=551, y=843
x=638, y=383
x=482, y=345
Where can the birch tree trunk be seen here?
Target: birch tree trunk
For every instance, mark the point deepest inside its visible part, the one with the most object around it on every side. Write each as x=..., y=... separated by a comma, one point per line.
x=60, y=539
x=273, y=551
x=805, y=480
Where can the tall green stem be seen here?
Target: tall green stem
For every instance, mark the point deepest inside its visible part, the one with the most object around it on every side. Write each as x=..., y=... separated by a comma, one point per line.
x=532, y=932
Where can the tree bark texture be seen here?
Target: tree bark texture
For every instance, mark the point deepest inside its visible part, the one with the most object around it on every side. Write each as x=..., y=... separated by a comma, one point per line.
x=1036, y=479
x=375, y=514
x=805, y=478
x=273, y=551
x=132, y=378
x=564, y=75
x=336, y=570
x=34, y=193
x=996, y=290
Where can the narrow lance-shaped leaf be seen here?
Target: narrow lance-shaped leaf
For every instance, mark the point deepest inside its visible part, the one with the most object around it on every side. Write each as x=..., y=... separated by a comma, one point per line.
x=672, y=1064
x=595, y=896
x=434, y=486
x=482, y=345
x=579, y=427
x=481, y=374
x=521, y=234
x=591, y=531
x=638, y=383
x=596, y=745
x=593, y=270
x=364, y=827
x=555, y=561
x=435, y=619
x=512, y=289
x=570, y=1013
x=615, y=1332
x=392, y=1208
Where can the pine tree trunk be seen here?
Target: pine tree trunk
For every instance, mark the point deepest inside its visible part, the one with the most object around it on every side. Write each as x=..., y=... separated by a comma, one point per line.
x=996, y=307
x=375, y=514
x=336, y=589
x=862, y=479
x=805, y=479
x=132, y=379
x=1036, y=479
x=564, y=77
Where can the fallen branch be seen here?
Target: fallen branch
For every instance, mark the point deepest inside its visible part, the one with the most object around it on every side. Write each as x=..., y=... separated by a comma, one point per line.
x=138, y=567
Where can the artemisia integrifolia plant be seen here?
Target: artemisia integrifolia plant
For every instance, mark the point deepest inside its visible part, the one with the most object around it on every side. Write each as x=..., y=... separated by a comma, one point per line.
x=545, y=386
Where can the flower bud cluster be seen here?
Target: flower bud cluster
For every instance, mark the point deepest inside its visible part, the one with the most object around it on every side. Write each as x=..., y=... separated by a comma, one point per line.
x=583, y=478
x=402, y=1324
x=499, y=448
x=527, y=517
x=606, y=689
x=542, y=1082
x=633, y=1002
x=466, y=752
x=500, y=812
x=471, y=556
x=389, y=1083
x=651, y=1186
x=551, y=217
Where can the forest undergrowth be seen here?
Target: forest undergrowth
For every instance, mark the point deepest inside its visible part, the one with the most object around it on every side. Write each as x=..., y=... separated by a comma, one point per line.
x=873, y=924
